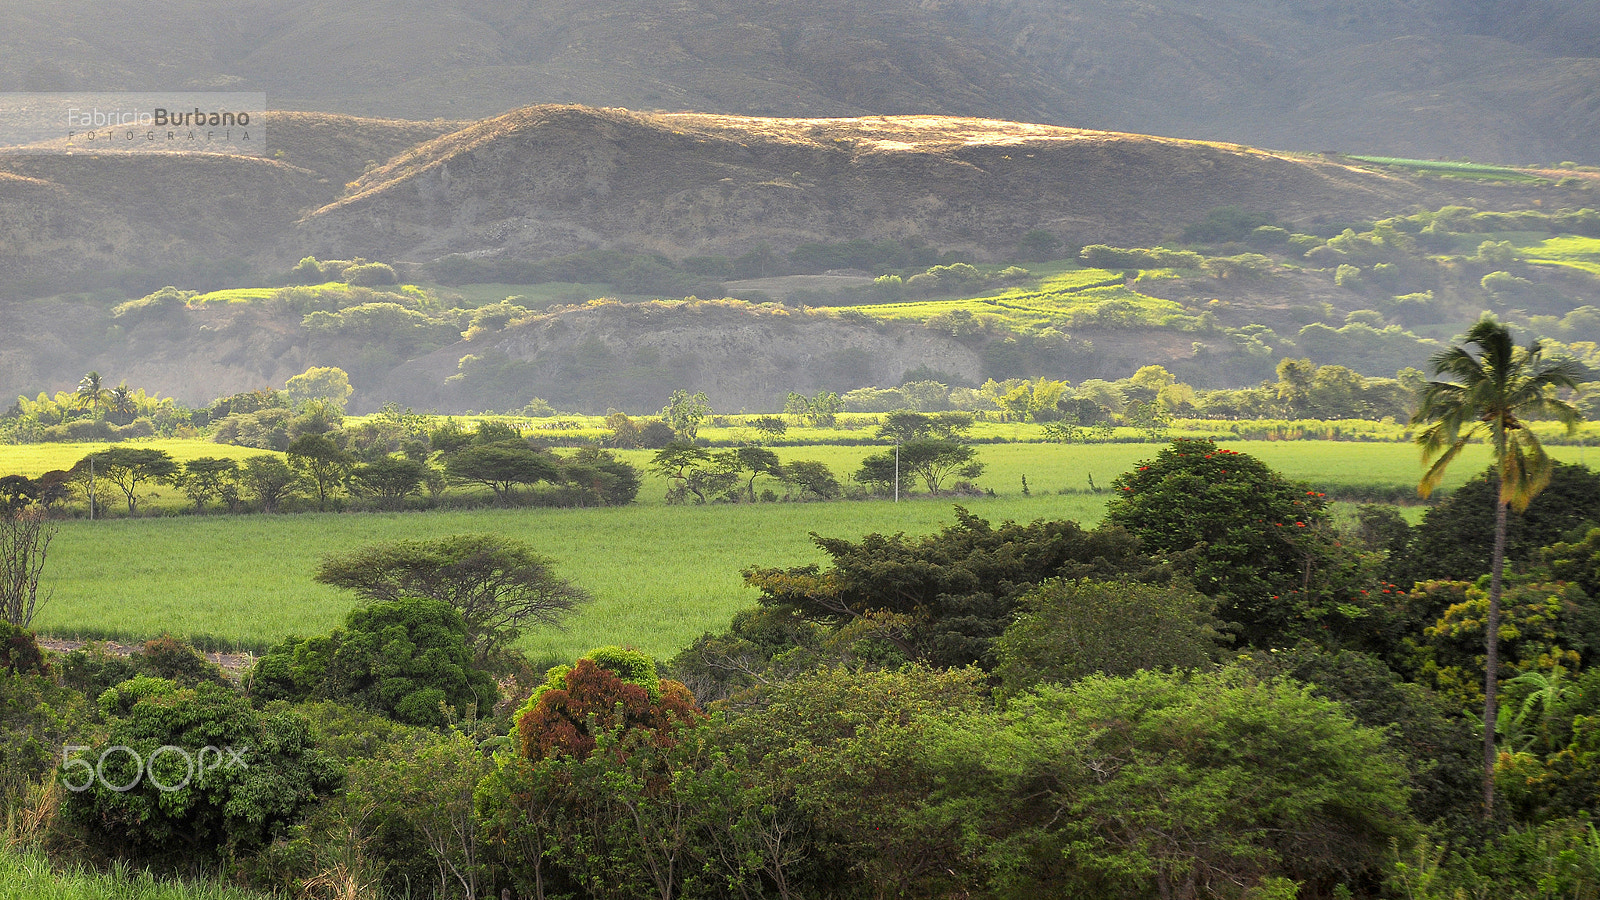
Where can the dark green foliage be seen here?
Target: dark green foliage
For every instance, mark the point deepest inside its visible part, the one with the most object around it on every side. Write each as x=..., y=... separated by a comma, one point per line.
x=1440, y=748
x=1577, y=561
x=1240, y=531
x=1066, y=630
x=1456, y=538
x=761, y=644
x=226, y=806
x=172, y=659
x=943, y=598
x=128, y=468
x=598, y=478
x=37, y=718
x=813, y=479
x=389, y=480
x=407, y=659
x=502, y=467
x=1225, y=224
x=92, y=669
x=20, y=653
x=1175, y=785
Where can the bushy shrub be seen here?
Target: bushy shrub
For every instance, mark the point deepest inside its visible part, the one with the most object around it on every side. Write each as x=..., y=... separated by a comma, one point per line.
x=608, y=689
x=407, y=658
x=370, y=274
x=172, y=659
x=191, y=802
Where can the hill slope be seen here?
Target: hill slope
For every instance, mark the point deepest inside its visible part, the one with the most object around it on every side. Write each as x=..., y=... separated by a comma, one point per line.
x=548, y=180
x=1503, y=81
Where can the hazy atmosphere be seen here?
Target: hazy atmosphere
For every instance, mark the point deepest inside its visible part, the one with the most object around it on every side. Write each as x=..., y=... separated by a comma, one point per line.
x=735, y=449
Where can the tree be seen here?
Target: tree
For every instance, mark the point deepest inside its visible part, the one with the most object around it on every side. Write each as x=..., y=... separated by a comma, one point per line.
x=207, y=477
x=129, y=467
x=123, y=401
x=186, y=803
x=269, y=480
x=601, y=477
x=944, y=597
x=327, y=383
x=322, y=460
x=502, y=466
x=813, y=478
x=931, y=459
x=408, y=659
x=391, y=479
x=690, y=468
x=499, y=585
x=819, y=411
x=25, y=536
x=1068, y=630
x=683, y=413
x=92, y=391
x=757, y=461
x=1256, y=541
x=1490, y=391
x=1177, y=786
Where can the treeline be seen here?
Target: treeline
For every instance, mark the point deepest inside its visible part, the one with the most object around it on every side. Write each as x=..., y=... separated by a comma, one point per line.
x=391, y=463
x=1219, y=693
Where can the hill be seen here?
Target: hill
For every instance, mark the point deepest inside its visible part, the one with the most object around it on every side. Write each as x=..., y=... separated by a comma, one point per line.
x=1504, y=81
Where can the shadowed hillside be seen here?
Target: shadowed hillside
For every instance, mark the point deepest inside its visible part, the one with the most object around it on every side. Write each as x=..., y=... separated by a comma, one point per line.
x=548, y=180
x=1510, y=82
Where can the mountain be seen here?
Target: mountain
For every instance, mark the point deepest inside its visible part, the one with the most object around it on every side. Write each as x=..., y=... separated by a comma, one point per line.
x=1513, y=81
x=549, y=180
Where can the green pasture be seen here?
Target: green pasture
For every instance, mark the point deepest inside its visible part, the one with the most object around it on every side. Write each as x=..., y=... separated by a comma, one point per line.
x=661, y=575
x=36, y=459
x=1582, y=253
x=1058, y=293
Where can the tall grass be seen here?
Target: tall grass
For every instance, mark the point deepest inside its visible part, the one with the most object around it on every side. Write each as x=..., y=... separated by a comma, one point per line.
x=28, y=875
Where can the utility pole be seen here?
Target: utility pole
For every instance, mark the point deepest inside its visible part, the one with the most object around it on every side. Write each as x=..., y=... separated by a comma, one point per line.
x=91, y=487
x=897, y=470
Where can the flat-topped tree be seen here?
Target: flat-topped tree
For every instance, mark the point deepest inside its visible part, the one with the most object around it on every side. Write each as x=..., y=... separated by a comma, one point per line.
x=1487, y=393
x=128, y=468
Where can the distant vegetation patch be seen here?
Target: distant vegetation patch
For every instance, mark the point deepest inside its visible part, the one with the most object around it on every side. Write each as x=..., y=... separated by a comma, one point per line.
x=1457, y=169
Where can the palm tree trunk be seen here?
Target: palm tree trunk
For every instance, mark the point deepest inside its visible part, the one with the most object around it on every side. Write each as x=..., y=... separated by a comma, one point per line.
x=1491, y=657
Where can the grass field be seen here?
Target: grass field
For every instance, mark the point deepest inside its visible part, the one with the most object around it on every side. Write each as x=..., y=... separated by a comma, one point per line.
x=1060, y=293
x=661, y=575
x=1582, y=253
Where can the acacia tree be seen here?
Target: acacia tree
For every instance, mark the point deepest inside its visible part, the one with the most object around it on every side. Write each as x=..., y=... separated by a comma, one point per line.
x=208, y=477
x=130, y=467
x=324, y=461
x=502, y=466
x=499, y=585
x=1486, y=393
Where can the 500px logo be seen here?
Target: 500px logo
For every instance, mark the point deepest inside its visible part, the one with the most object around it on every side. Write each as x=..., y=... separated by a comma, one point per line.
x=198, y=764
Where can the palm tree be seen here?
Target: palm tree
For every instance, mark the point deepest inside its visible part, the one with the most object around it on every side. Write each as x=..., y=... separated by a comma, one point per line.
x=123, y=401
x=1487, y=392
x=92, y=391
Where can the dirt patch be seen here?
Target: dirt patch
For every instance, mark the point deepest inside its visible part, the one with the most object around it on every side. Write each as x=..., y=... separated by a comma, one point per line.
x=235, y=664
